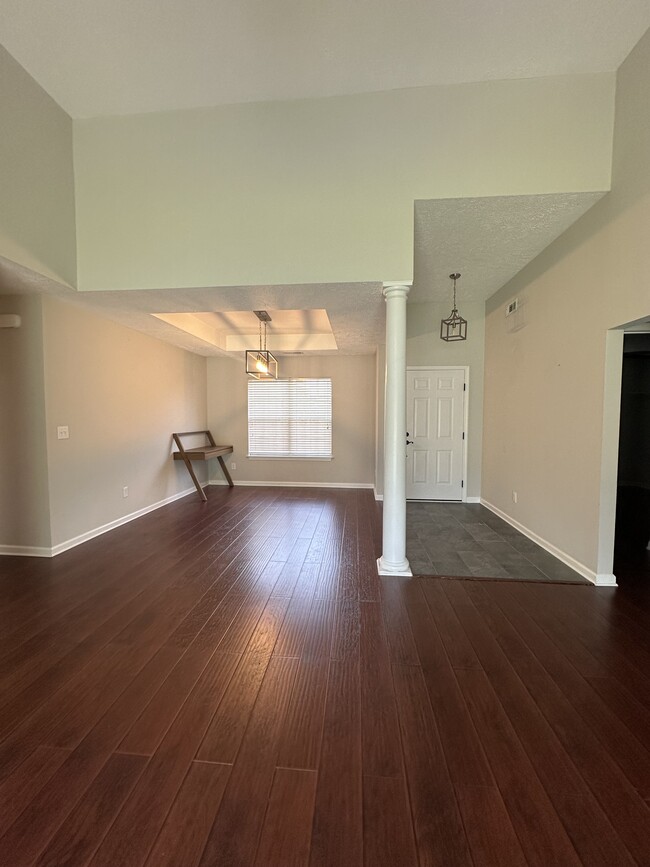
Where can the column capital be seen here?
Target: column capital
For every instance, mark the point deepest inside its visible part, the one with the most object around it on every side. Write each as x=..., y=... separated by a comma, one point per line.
x=396, y=290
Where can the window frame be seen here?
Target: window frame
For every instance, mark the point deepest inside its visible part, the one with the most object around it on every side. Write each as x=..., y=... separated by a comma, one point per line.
x=290, y=457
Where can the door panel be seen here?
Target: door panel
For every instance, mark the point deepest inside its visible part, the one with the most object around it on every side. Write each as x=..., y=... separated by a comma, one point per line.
x=443, y=467
x=421, y=416
x=445, y=418
x=420, y=466
x=435, y=420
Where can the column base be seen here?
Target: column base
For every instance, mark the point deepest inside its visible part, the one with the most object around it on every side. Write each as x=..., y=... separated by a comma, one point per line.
x=398, y=570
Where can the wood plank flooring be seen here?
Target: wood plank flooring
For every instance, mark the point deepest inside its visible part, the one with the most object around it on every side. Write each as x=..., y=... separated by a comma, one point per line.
x=230, y=683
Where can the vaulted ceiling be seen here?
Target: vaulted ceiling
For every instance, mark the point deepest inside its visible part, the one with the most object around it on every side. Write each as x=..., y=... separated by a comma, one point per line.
x=114, y=57
x=105, y=57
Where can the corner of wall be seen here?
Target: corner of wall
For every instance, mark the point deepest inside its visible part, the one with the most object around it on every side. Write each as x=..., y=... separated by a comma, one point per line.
x=24, y=493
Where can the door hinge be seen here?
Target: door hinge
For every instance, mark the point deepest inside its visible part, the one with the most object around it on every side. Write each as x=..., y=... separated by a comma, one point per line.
x=462, y=484
x=464, y=386
x=463, y=434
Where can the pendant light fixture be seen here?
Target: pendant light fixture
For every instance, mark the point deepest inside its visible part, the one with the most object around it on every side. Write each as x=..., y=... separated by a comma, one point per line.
x=455, y=327
x=260, y=363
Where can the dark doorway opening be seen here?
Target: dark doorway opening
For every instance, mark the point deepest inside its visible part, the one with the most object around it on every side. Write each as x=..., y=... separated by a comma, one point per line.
x=631, y=554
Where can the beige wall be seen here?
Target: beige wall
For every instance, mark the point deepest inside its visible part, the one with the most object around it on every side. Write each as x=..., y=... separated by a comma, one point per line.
x=37, y=213
x=425, y=348
x=353, y=420
x=122, y=394
x=320, y=190
x=551, y=408
x=24, y=505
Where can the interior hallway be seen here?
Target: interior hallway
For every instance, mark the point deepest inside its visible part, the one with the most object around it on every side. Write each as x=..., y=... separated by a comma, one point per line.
x=233, y=684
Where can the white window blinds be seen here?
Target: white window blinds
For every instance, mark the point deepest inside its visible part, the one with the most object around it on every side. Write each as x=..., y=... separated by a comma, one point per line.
x=290, y=418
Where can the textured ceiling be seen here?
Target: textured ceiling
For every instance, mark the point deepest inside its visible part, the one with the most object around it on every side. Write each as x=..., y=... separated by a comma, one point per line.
x=488, y=240
x=356, y=311
x=100, y=57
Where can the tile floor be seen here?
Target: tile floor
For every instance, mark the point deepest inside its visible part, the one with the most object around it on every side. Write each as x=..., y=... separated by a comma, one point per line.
x=466, y=540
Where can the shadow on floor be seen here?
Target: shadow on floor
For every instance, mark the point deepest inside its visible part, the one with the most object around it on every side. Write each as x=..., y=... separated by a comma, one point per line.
x=466, y=540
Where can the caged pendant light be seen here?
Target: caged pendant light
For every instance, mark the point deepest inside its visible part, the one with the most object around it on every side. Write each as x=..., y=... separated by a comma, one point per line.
x=455, y=327
x=260, y=363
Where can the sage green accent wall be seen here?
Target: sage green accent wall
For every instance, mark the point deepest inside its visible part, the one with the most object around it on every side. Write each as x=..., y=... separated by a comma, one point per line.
x=353, y=420
x=425, y=348
x=24, y=501
x=320, y=190
x=122, y=394
x=37, y=208
x=551, y=405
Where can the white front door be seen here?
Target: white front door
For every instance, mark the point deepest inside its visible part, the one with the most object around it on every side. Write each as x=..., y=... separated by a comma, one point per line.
x=435, y=414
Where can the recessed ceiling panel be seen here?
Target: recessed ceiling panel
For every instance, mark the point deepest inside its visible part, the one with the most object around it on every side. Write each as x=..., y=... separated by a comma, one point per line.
x=239, y=330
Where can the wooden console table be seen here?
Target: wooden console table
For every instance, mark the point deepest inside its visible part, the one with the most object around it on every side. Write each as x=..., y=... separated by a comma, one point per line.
x=202, y=453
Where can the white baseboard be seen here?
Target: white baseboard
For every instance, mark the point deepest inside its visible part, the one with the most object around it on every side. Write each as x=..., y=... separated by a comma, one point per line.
x=125, y=519
x=604, y=579
x=245, y=484
x=20, y=551
x=379, y=497
x=473, y=500
x=600, y=580
x=24, y=551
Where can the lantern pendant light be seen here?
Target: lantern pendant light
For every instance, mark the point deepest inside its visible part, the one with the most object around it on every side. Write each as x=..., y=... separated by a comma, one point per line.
x=455, y=327
x=260, y=363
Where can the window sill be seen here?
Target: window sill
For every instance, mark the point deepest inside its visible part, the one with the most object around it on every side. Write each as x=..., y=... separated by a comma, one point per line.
x=286, y=458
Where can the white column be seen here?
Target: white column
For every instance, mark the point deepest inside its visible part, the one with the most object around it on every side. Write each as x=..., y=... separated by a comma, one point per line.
x=393, y=559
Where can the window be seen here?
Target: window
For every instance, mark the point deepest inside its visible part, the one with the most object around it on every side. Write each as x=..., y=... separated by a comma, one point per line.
x=290, y=418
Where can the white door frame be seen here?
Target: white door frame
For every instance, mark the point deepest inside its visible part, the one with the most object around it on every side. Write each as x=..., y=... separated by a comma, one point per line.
x=609, y=457
x=465, y=368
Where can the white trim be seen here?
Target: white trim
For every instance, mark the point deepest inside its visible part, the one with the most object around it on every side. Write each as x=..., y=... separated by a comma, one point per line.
x=20, y=551
x=465, y=367
x=288, y=458
x=605, y=580
x=612, y=390
x=125, y=519
x=24, y=551
x=380, y=497
x=599, y=579
x=398, y=572
x=242, y=483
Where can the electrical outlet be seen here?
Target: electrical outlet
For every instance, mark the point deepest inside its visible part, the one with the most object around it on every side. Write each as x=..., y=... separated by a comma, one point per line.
x=514, y=496
x=233, y=466
x=63, y=432
x=125, y=491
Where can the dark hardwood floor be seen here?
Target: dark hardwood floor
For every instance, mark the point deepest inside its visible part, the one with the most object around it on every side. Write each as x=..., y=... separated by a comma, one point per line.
x=232, y=684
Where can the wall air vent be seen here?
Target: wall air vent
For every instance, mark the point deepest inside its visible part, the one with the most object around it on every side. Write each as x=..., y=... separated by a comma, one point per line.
x=512, y=306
